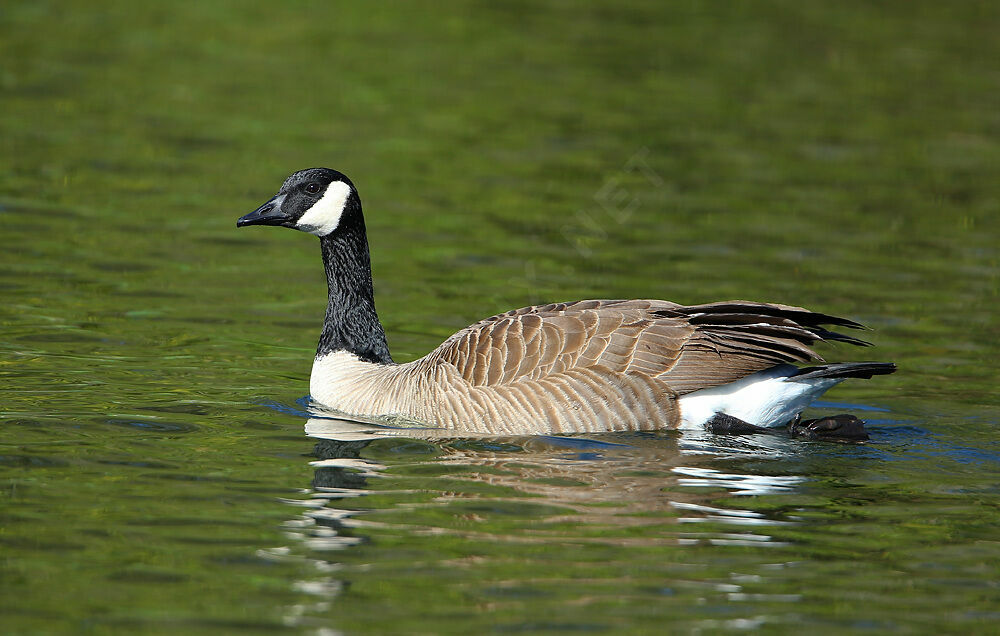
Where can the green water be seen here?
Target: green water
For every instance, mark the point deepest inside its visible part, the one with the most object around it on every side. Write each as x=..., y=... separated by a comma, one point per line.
x=155, y=471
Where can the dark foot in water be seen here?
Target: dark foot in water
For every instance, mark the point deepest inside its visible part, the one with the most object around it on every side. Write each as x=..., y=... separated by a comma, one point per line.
x=836, y=428
x=722, y=424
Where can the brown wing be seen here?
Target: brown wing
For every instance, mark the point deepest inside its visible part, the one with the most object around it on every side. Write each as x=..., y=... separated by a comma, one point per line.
x=686, y=347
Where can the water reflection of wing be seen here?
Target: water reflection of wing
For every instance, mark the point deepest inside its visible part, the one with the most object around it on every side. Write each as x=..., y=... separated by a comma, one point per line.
x=640, y=468
x=614, y=489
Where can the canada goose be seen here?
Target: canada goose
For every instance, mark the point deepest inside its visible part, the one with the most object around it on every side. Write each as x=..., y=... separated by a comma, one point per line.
x=583, y=366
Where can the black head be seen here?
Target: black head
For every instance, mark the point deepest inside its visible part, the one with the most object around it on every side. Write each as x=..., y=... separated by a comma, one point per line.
x=312, y=200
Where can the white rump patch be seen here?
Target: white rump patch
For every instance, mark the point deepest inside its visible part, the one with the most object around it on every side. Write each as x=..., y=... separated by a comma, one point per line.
x=765, y=398
x=324, y=216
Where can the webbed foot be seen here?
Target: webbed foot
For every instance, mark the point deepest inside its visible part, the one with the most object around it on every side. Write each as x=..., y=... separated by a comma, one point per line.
x=835, y=428
x=722, y=424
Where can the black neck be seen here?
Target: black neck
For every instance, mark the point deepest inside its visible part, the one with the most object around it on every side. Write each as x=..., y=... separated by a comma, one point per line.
x=351, y=323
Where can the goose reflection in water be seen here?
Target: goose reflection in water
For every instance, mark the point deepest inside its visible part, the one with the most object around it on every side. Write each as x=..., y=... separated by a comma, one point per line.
x=595, y=490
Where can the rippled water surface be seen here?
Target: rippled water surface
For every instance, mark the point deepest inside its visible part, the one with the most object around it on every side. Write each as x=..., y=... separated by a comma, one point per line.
x=161, y=469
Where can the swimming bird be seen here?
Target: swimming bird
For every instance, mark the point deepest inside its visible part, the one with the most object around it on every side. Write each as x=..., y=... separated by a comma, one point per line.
x=568, y=367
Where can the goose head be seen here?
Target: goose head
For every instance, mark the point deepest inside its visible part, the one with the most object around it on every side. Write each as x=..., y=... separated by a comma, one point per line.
x=313, y=201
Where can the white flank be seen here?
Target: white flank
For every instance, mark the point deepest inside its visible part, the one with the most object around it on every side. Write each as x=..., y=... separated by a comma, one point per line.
x=765, y=398
x=324, y=216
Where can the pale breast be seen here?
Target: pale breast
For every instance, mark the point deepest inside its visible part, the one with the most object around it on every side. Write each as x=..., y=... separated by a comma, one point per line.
x=434, y=393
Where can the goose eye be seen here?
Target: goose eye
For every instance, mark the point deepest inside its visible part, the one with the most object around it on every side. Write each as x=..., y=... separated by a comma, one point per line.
x=312, y=188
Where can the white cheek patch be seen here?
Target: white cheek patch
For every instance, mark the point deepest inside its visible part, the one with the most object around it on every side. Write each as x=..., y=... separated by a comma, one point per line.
x=324, y=216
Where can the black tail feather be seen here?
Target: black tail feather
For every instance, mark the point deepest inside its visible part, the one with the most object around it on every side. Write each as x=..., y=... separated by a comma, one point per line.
x=731, y=308
x=846, y=370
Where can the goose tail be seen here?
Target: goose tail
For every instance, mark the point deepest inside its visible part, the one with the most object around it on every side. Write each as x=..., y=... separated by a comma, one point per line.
x=844, y=370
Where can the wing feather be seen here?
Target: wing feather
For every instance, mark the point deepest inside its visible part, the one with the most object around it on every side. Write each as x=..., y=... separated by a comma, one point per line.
x=685, y=348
